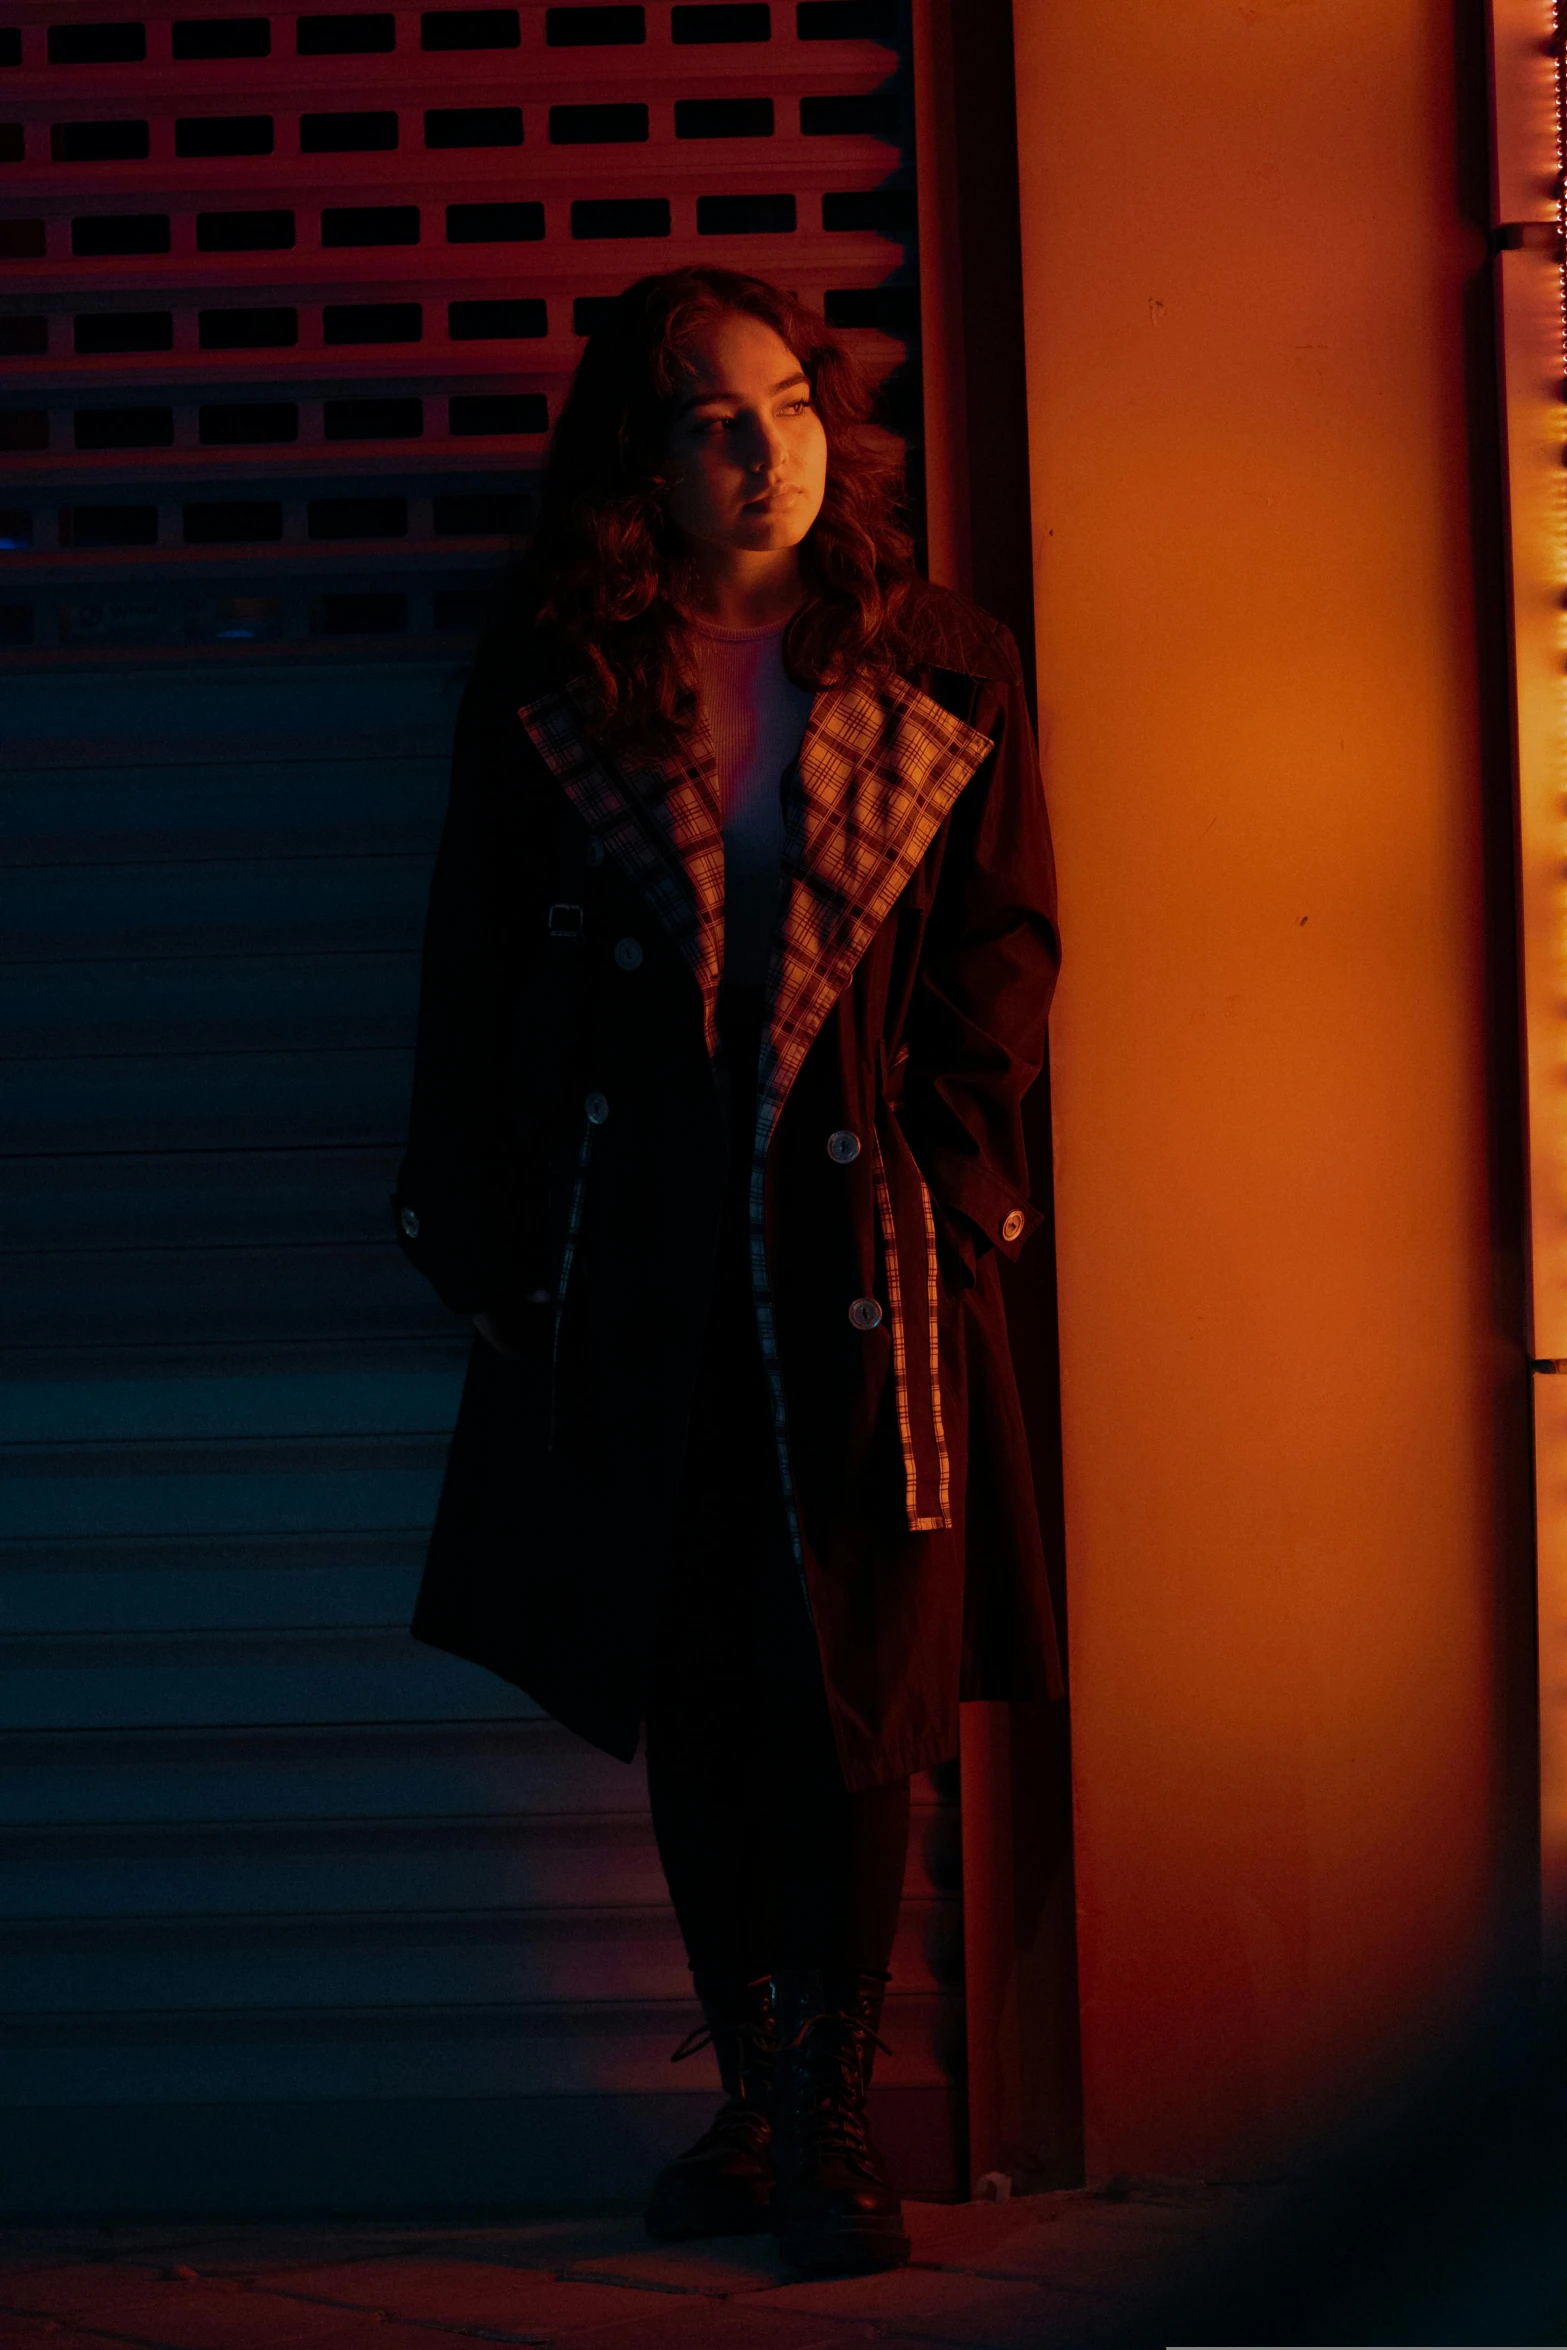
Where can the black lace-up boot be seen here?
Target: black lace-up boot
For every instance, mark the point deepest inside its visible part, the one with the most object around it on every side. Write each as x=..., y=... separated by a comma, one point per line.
x=723, y=2185
x=833, y=2207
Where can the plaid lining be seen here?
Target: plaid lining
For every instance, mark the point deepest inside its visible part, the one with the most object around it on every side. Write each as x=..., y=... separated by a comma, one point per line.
x=879, y=770
x=932, y=1302
x=660, y=824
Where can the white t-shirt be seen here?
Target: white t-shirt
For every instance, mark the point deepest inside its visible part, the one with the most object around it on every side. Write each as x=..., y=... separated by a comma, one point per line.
x=756, y=717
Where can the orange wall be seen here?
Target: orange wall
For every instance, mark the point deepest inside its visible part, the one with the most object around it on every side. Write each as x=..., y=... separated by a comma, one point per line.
x=1243, y=263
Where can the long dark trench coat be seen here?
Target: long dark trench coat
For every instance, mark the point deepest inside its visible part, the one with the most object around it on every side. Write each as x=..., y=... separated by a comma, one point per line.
x=568, y=1145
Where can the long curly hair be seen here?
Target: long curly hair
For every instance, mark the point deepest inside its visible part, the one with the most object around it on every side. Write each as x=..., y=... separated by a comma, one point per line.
x=611, y=577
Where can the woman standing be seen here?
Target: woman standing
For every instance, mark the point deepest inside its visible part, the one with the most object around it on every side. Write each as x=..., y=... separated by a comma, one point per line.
x=739, y=950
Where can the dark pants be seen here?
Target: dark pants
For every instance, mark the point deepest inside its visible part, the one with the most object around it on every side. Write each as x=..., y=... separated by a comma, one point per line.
x=771, y=1862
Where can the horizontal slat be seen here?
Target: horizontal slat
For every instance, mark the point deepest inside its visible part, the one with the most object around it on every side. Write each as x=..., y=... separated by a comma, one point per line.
x=128, y=809
x=88, y=1411
x=404, y=2052
x=225, y=1003
x=191, y=1200
x=276, y=1486
x=153, y=1780
x=339, y=709
x=208, y=1101
x=318, y=904
x=315, y=1676
x=207, y=1594
x=217, y=1296
x=453, y=1959
x=533, y=1861
x=173, y=1780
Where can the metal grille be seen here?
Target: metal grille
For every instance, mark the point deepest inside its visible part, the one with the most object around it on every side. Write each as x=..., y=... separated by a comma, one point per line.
x=297, y=1915
x=290, y=300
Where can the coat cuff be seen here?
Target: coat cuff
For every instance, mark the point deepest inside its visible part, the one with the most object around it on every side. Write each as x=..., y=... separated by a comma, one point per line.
x=1004, y=1218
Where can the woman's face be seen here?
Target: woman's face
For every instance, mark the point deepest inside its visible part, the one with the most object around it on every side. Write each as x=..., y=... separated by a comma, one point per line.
x=747, y=451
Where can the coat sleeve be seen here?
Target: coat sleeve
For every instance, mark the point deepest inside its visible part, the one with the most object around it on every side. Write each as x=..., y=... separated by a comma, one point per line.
x=976, y=1027
x=469, y=1214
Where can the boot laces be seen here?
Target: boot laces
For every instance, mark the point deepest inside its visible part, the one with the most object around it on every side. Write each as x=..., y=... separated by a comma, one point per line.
x=834, y=2102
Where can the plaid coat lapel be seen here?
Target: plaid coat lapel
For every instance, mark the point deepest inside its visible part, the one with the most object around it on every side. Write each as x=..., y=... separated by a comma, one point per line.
x=880, y=768
x=878, y=774
x=659, y=823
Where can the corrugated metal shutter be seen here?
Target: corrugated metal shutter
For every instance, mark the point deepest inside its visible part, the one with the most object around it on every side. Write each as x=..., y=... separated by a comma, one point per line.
x=296, y=1914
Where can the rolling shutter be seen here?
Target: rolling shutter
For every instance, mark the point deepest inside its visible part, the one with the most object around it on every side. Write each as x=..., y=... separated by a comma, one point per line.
x=298, y=1915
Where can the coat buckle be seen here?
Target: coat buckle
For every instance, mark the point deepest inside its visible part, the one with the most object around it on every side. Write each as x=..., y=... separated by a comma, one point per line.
x=565, y=921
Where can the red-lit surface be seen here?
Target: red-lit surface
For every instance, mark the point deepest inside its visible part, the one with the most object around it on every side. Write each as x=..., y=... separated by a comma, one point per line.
x=1293, y=1418
x=273, y=577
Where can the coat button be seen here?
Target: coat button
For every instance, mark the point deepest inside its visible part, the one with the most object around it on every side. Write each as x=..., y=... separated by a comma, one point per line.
x=593, y=854
x=865, y=1313
x=628, y=953
x=597, y=1107
x=1012, y=1224
x=409, y=1221
x=843, y=1146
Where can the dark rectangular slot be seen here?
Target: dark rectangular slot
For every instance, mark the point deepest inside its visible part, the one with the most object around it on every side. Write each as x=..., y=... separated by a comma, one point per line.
x=370, y=224
x=16, y=530
x=480, y=514
x=373, y=420
x=248, y=330
x=109, y=526
x=24, y=428
x=466, y=609
x=125, y=428
x=13, y=143
x=875, y=117
x=235, y=424
x=98, y=233
x=10, y=46
x=347, y=134
x=345, y=36
x=846, y=20
x=221, y=36
x=749, y=22
x=97, y=44
x=469, y=28
x=347, y=615
x=890, y=210
x=594, y=28
x=23, y=240
x=23, y=338
x=894, y=309
x=493, y=224
x=244, y=232
x=473, y=126
x=95, y=142
x=16, y=624
x=591, y=311
x=358, y=518
x=125, y=330
x=620, y=216
x=597, y=126
x=372, y=322
x=223, y=134
x=744, y=216
x=477, y=322
x=230, y=522
x=723, y=118
x=498, y=412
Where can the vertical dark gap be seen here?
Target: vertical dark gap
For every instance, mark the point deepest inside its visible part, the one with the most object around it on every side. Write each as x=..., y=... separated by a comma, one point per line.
x=1001, y=532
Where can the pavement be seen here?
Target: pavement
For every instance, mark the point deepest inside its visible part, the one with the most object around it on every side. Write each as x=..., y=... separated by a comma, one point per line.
x=1101, y=2270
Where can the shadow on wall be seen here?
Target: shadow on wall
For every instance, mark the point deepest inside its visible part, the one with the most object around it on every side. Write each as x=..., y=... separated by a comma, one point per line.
x=1442, y=2219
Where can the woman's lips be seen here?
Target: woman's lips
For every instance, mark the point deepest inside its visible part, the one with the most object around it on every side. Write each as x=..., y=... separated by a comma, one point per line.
x=769, y=498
